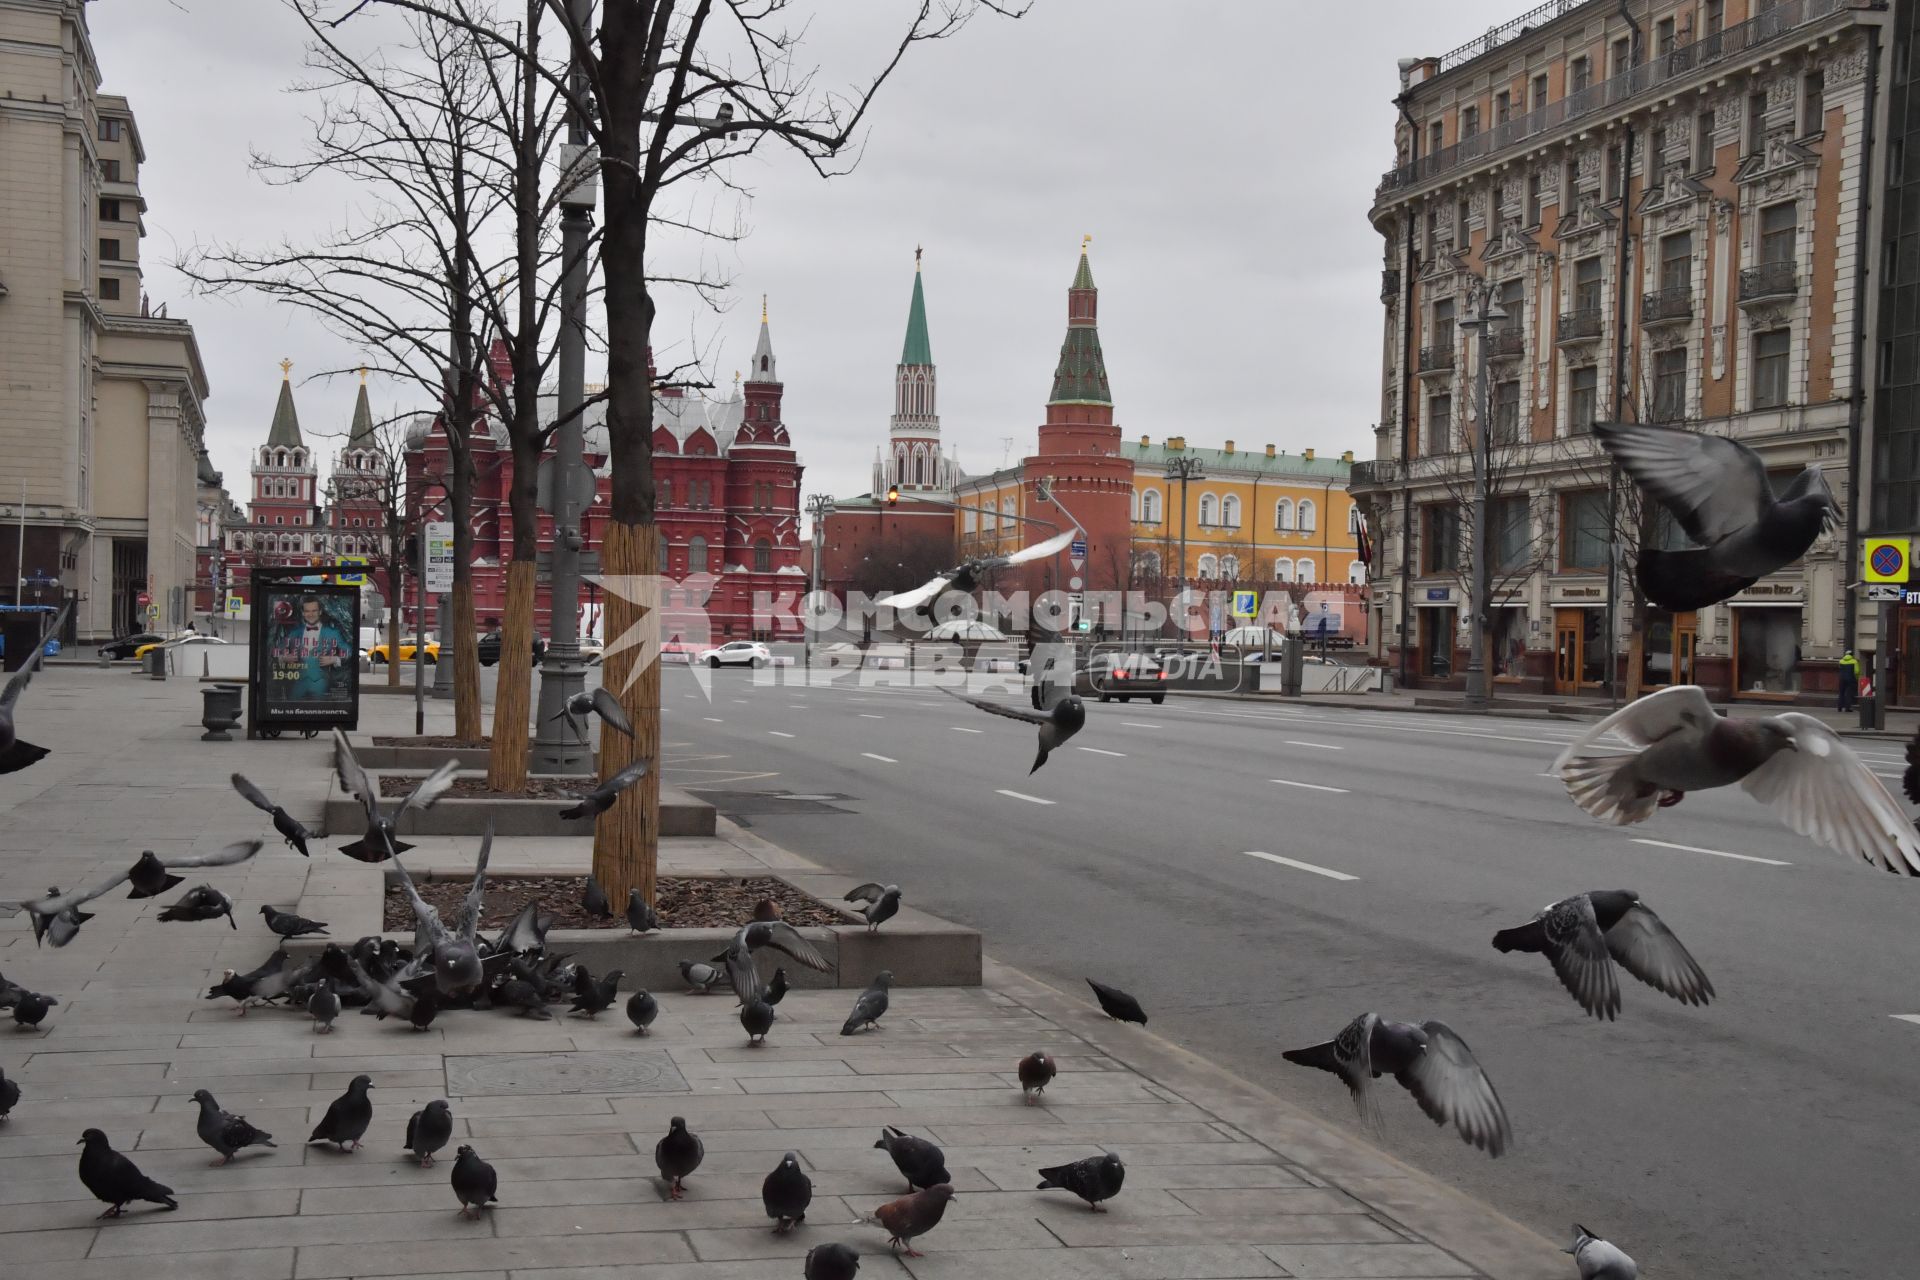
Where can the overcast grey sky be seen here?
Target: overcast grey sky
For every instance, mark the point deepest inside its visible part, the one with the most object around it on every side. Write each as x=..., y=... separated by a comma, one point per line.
x=1222, y=154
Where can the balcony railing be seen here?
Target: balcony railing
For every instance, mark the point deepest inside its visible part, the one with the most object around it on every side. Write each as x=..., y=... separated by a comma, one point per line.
x=1433, y=359
x=1373, y=474
x=1777, y=279
x=1510, y=341
x=1617, y=91
x=1512, y=30
x=1581, y=325
x=1389, y=282
x=1666, y=305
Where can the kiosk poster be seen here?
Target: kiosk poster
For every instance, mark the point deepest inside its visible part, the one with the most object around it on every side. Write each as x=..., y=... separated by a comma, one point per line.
x=306, y=665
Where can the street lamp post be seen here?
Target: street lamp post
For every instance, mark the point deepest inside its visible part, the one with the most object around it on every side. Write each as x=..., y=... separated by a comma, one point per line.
x=1482, y=586
x=819, y=507
x=1185, y=468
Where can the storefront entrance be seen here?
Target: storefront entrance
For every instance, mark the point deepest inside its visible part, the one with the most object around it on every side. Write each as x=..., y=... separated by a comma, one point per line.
x=1908, y=660
x=1579, y=649
x=1667, y=651
x=1766, y=651
x=1436, y=642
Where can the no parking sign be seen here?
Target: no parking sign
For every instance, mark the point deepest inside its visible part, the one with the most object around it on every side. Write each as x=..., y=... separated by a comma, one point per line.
x=1885, y=560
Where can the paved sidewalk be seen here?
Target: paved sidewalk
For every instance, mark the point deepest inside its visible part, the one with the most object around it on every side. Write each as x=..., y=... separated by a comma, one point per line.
x=1223, y=1180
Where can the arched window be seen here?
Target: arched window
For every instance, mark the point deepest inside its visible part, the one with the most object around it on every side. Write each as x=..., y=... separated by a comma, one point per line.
x=1150, y=506
x=1305, y=572
x=1283, y=569
x=1306, y=515
x=1357, y=574
x=1207, y=504
x=1230, y=511
x=697, y=555
x=1209, y=567
x=1149, y=562
x=762, y=556
x=1133, y=506
x=763, y=364
x=1230, y=568
x=666, y=493
x=1283, y=514
x=1353, y=519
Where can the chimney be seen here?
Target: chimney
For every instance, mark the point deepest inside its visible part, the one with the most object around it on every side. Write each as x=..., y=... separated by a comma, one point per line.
x=1145, y=441
x=1229, y=448
x=1176, y=442
x=1347, y=456
x=1307, y=455
x=1269, y=451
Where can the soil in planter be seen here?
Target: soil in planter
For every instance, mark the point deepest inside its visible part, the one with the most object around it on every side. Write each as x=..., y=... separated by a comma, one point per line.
x=539, y=787
x=683, y=903
x=432, y=740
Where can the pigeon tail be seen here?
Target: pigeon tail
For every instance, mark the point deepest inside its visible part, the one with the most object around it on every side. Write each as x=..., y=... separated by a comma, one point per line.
x=20, y=755
x=1682, y=581
x=1324, y=1056
x=167, y=884
x=1037, y=762
x=1604, y=786
x=1528, y=937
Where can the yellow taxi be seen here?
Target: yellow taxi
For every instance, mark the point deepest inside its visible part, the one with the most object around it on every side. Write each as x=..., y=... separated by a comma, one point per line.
x=377, y=653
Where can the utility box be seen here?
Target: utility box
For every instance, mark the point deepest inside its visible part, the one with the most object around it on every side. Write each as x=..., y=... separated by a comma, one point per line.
x=1293, y=662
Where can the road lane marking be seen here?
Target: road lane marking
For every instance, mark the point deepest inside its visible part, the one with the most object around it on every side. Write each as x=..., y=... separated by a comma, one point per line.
x=868, y=715
x=1097, y=751
x=1324, y=746
x=1718, y=853
x=1906, y=1017
x=1021, y=795
x=882, y=759
x=957, y=729
x=1135, y=724
x=776, y=733
x=714, y=719
x=796, y=706
x=1297, y=865
x=1309, y=786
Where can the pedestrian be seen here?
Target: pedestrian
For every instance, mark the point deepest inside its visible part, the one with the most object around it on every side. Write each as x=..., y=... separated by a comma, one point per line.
x=1849, y=680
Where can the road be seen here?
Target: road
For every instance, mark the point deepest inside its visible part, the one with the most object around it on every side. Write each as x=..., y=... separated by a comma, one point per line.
x=1768, y=1134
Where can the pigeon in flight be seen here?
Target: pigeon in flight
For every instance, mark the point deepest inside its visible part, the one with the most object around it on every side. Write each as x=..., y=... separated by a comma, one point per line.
x=56, y=916
x=642, y=1009
x=474, y=1182
x=347, y=1116
x=1910, y=777
x=151, y=877
x=1065, y=719
x=1429, y=1060
x=1792, y=762
x=597, y=701
x=871, y=1006
x=1599, y=1260
x=1036, y=1073
x=202, y=902
x=289, y=925
x=380, y=842
x=677, y=1155
x=446, y=959
x=1583, y=936
x=15, y=754
x=601, y=798
x=267, y=983
x=1717, y=490
x=1117, y=1004
x=966, y=577
x=919, y=1161
x=594, y=902
x=428, y=1130
x=225, y=1132
x=285, y=823
x=914, y=1215
x=833, y=1261
x=1093, y=1179
x=742, y=969
x=786, y=1193
x=641, y=917
x=115, y=1180
x=883, y=902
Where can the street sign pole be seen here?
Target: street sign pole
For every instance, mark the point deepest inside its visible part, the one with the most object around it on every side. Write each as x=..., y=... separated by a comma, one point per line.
x=419, y=640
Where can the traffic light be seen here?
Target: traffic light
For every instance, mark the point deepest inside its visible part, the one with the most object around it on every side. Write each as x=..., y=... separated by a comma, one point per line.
x=893, y=495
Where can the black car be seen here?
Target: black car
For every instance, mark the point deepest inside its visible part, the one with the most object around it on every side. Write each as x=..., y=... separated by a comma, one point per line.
x=1125, y=676
x=123, y=646
x=490, y=648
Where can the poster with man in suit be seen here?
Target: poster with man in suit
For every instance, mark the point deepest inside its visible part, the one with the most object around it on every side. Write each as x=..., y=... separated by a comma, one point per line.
x=309, y=671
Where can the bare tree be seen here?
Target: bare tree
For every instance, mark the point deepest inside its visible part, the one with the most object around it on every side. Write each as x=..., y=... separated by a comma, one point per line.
x=370, y=479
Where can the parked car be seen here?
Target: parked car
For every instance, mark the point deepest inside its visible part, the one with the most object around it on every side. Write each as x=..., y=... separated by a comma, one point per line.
x=737, y=653
x=127, y=646
x=1125, y=676
x=490, y=648
x=177, y=642
x=377, y=653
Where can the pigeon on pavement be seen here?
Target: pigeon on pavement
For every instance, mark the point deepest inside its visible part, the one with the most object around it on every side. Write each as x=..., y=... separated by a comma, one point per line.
x=114, y=1180
x=601, y=798
x=30, y=1009
x=914, y=1215
x=518, y=993
x=965, y=577
x=677, y=1155
x=1717, y=490
x=474, y=1182
x=786, y=1193
x=324, y=1005
x=1584, y=935
x=428, y=1130
x=1117, y=1004
x=642, y=1009
x=267, y=983
x=834, y=1261
x=9, y=1095
x=151, y=877
x=1599, y=1260
x=871, y=1006
x=742, y=970
x=224, y=1131
x=920, y=1162
x=380, y=842
x=1429, y=1060
x=202, y=902
x=1066, y=718
x=700, y=976
x=756, y=1016
x=594, y=901
x=641, y=917
x=1036, y=1073
x=1093, y=1179
x=1792, y=762
x=883, y=902
x=591, y=995
x=597, y=701
x=289, y=925
x=16, y=754
x=426, y=1003
x=347, y=1117
x=285, y=823
x=777, y=988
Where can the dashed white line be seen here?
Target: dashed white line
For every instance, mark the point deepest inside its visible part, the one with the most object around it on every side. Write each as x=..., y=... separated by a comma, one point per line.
x=1308, y=786
x=1906, y=1017
x=958, y=729
x=1135, y=724
x=1297, y=865
x=714, y=719
x=1021, y=795
x=868, y=715
x=882, y=759
x=1718, y=853
x=776, y=733
x=1324, y=746
x=1098, y=752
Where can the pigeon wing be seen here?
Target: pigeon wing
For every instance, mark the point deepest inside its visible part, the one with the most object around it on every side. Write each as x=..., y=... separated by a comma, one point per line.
x=1348, y=1055
x=919, y=595
x=469, y=922
x=1826, y=793
x=1450, y=1087
x=868, y=892
x=1579, y=956
x=54, y=904
x=428, y=918
x=1647, y=949
x=252, y=794
x=1039, y=550
x=1714, y=486
x=620, y=781
x=782, y=936
x=1910, y=780
x=1002, y=709
x=355, y=777
x=1645, y=721
x=431, y=788
x=610, y=711
x=17, y=683
x=239, y=851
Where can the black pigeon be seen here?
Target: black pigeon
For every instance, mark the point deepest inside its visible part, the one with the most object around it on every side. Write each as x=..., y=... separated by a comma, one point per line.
x=591, y=995
x=594, y=901
x=756, y=1016
x=380, y=841
x=965, y=577
x=518, y=993
x=16, y=754
x=1117, y=1004
x=601, y=798
x=289, y=828
x=428, y=1130
x=30, y=1009
x=9, y=1096
x=528, y=932
x=1066, y=718
x=426, y=1004
x=920, y=1162
x=677, y=1155
x=642, y=1009
x=1094, y=1179
x=871, y=1006
x=324, y=1005
x=641, y=917
x=1430, y=1061
x=833, y=1261
x=1910, y=777
x=289, y=925
x=347, y=1117
x=786, y=1193
x=151, y=877
x=1583, y=936
x=776, y=989
x=474, y=1182
x=114, y=1180
x=267, y=983
x=1717, y=490
x=598, y=701
x=202, y=902
x=883, y=902
x=1036, y=1073
x=224, y=1131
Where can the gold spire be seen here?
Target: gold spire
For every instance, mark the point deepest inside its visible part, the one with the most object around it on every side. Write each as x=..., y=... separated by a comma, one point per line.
x=916, y=257
x=363, y=375
x=763, y=308
x=286, y=370
x=1084, y=242
x=736, y=382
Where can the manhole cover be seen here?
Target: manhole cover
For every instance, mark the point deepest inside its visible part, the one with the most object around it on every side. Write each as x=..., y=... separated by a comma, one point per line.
x=633, y=1071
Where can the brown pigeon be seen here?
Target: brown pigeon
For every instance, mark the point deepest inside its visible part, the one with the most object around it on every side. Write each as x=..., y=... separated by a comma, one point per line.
x=914, y=1215
x=1036, y=1073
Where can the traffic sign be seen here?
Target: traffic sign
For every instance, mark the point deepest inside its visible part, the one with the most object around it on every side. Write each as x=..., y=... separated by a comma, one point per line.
x=1245, y=603
x=143, y=600
x=1885, y=560
x=1885, y=592
x=439, y=557
x=352, y=579
x=234, y=606
x=1078, y=549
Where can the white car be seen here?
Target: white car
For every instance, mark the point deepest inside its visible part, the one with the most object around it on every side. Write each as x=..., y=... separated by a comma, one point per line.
x=737, y=653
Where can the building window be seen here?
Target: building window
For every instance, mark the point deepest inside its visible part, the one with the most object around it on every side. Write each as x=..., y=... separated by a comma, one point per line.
x=1756, y=122
x=1440, y=538
x=1670, y=385
x=1306, y=515
x=1583, y=398
x=279, y=519
x=1353, y=520
x=1584, y=540
x=1533, y=199
x=109, y=211
x=1586, y=284
x=1283, y=515
x=1703, y=142
x=666, y=492
x=1230, y=512
x=1621, y=56
x=109, y=249
x=1663, y=37
x=1206, y=509
x=1209, y=567
x=1813, y=103
x=1770, y=368
x=1579, y=74
x=1462, y=213
x=109, y=171
x=109, y=289
x=1507, y=527
x=1506, y=412
x=762, y=556
x=1779, y=225
x=1305, y=572
x=1676, y=262
x=1435, y=137
x=1150, y=506
x=696, y=555
x=1502, y=107
x=1513, y=301
x=1230, y=568
x=1537, y=96
x=1616, y=174
x=1439, y=425
x=1283, y=569
x=1443, y=320
x=1714, y=17
x=1469, y=122
x=112, y=130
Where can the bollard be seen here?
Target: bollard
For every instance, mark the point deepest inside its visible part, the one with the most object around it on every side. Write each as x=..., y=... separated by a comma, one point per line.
x=220, y=711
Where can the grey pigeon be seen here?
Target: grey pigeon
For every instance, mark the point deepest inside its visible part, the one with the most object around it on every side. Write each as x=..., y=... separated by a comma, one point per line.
x=920, y=1162
x=965, y=577
x=65, y=927
x=786, y=1193
x=114, y=1180
x=1599, y=1260
x=1717, y=490
x=601, y=798
x=202, y=902
x=742, y=970
x=428, y=1130
x=641, y=917
x=474, y=1182
x=677, y=1155
x=324, y=1005
x=285, y=823
x=591, y=995
x=700, y=976
x=56, y=917
x=1429, y=1060
x=590, y=702
x=871, y=1006
x=15, y=754
x=914, y=1215
x=267, y=983
x=448, y=959
x=834, y=1261
x=1117, y=1004
x=1057, y=724
x=1093, y=1179
x=289, y=925
x=9, y=1095
x=777, y=987
x=224, y=1131
x=594, y=901
x=380, y=842
x=883, y=902
x=347, y=1117
x=528, y=932
x=642, y=1009
x=1584, y=935
x=151, y=877
x=1036, y=1073
x=756, y=1017
x=1676, y=742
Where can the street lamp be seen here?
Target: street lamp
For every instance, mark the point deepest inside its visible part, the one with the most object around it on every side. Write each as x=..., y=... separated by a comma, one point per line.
x=819, y=507
x=1185, y=468
x=1477, y=698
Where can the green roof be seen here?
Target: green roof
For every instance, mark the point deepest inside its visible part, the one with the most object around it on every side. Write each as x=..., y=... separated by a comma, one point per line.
x=918, y=349
x=286, y=423
x=1081, y=375
x=362, y=437
x=1083, y=278
x=1152, y=459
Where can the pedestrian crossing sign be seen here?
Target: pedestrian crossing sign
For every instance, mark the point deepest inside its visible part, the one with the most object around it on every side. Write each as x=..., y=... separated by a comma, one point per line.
x=1886, y=560
x=352, y=579
x=1245, y=604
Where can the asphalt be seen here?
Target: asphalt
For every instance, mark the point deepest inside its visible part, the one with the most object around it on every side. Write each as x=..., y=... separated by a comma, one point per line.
x=1765, y=1134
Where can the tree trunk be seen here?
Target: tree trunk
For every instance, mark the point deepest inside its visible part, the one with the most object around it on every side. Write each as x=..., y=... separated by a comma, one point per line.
x=1636, y=645
x=393, y=624
x=467, y=725
x=626, y=837
x=507, y=764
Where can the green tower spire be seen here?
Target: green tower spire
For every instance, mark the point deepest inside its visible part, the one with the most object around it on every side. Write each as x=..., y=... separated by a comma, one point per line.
x=361, y=436
x=918, y=349
x=286, y=422
x=1081, y=375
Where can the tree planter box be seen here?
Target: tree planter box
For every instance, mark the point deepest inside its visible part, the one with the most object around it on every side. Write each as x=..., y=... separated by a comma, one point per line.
x=427, y=758
x=680, y=814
